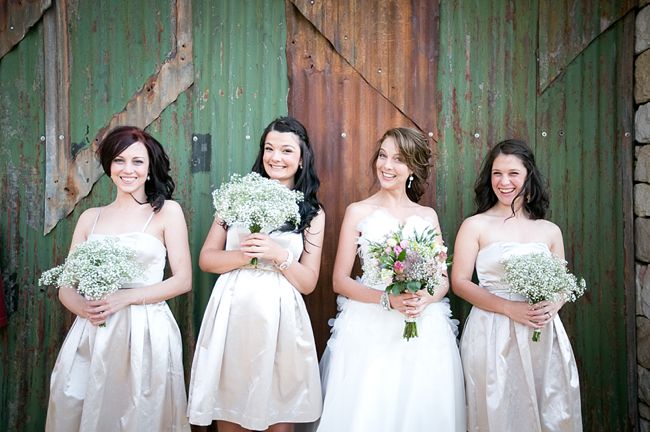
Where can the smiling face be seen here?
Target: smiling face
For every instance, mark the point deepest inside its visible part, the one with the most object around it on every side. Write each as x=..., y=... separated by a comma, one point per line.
x=392, y=171
x=508, y=178
x=129, y=169
x=282, y=156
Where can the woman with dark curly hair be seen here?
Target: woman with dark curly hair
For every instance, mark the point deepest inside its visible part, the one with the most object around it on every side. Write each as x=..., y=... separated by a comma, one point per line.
x=128, y=374
x=512, y=383
x=374, y=380
x=255, y=365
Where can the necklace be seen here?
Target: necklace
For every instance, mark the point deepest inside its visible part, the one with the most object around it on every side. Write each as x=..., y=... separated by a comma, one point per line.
x=136, y=200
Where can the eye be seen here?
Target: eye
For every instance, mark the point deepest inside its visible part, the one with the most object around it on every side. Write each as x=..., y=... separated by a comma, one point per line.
x=381, y=156
x=268, y=148
x=288, y=150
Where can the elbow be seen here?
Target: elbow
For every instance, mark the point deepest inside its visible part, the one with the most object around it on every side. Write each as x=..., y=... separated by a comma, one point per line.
x=337, y=284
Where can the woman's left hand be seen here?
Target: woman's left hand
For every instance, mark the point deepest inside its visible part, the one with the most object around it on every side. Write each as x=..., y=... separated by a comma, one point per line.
x=259, y=245
x=544, y=311
x=416, y=305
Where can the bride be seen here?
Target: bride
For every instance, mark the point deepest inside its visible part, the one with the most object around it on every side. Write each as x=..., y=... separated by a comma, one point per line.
x=373, y=378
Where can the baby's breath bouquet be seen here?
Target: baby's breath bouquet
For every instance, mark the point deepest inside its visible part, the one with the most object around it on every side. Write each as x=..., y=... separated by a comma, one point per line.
x=407, y=260
x=541, y=276
x=96, y=268
x=262, y=204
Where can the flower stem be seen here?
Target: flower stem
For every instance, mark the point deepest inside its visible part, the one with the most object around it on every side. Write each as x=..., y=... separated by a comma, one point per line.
x=410, y=330
x=536, y=335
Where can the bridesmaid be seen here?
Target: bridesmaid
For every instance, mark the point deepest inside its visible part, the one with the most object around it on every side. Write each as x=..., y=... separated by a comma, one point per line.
x=128, y=375
x=255, y=365
x=512, y=383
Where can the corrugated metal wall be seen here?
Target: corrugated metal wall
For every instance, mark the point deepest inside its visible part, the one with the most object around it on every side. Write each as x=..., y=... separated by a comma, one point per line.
x=240, y=85
x=465, y=71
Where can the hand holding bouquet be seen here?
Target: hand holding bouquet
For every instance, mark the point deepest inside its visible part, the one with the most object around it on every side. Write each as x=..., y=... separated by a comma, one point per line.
x=409, y=262
x=541, y=276
x=262, y=204
x=96, y=268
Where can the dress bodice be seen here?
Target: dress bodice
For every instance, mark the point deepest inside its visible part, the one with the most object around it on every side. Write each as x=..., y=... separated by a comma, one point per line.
x=489, y=265
x=286, y=239
x=150, y=254
x=374, y=228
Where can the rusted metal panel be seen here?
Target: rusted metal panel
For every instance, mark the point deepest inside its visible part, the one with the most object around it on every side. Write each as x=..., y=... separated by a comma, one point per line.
x=346, y=113
x=583, y=119
x=567, y=27
x=71, y=175
x=577, y=128
x=390, y=44
x=16, y=18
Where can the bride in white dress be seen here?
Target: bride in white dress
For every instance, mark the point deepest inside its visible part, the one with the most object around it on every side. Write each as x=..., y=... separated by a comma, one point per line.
x=373, y=379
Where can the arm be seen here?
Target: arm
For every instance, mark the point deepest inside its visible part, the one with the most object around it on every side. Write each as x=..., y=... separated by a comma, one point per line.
x=214, y=258
x=466, y=250
x=69, y=297
x=178, y=254
x=545, y=311
x=342, y=282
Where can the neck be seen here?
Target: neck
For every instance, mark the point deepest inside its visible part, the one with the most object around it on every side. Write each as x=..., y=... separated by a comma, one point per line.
x=141, y=202
x=394, y=198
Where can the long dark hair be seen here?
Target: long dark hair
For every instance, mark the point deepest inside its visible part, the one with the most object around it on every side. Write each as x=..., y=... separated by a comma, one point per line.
x=414, y=148
x=305, y=180
x=159, y=185
x=534, y=192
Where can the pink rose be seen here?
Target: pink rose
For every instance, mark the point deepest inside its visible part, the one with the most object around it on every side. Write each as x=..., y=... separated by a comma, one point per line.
x=398, y=267
x=397, y=249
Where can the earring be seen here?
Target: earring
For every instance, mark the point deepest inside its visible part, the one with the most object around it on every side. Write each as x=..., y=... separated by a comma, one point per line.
x=148, y=178
x=300, y=165
x=408, y=186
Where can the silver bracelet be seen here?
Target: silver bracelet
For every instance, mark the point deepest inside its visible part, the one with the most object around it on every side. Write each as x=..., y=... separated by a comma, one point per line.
x=384, y=301
x=285, y=265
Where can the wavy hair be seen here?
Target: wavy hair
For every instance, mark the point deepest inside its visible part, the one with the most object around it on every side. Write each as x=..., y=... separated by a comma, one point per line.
x=159, y=185
x=414, y=148
x=305, y=180
x=534, y=191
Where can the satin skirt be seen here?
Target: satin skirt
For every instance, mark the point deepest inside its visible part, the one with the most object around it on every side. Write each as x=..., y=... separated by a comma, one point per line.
x=127, y=376
x=376, y=381
x=255, y=362
x=515, y=384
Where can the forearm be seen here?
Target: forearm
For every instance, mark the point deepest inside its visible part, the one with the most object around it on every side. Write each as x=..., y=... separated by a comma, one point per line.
x=222, y=261
x=350, y=288
x=303, y=278
x=481, y=297
x=72, y=301
x=169, y=288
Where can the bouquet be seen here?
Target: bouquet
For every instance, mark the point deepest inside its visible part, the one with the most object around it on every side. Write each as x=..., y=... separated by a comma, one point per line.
x=96, y=268
x=262, y=204
x=408, y=261
x=541, y=276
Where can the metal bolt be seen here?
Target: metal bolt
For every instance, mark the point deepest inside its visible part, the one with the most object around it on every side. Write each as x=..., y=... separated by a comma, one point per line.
x=11, y=27
x=477, y=135
x=61, y=137
x=544, y=133
x=627, y=134
x=248, y=137
x=42, y=138
x=430, y=134
x=343, y=134
x=561, y=133
x=195, y=138
x=379, y=70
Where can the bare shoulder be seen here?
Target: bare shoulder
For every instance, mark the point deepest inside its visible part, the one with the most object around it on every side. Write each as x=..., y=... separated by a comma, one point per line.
x=475, y=222
x=426, y=212
x=358, y=210
x=550, y=230
x=318, y=221
x=171, y=211
x=88, y=218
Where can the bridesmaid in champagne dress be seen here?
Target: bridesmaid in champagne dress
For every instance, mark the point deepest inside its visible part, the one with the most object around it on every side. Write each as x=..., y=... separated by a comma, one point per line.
x=374, y=380
x=255, y=366
x=128, y=374
x=512, y=383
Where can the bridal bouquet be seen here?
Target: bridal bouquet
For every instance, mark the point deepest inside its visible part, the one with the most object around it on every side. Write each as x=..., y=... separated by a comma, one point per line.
x=96, y=268
x=409, y=261
x=262, y=204
x=540, y=276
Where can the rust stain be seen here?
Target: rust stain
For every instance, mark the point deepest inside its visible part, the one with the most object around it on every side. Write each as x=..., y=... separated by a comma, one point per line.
x=174, y=76
x=16, y=18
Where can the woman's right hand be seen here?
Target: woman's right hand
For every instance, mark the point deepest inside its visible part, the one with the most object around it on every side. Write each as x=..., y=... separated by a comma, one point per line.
x=521, y=312
x=405, y=304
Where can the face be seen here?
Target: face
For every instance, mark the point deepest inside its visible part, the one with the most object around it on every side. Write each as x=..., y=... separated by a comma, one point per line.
x=129, y=169
x=392, y=171
x=508, y=177
x=282, y=157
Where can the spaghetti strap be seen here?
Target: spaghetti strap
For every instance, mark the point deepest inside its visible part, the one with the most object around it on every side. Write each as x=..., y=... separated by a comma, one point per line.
x=148, y=220
x=96, y=219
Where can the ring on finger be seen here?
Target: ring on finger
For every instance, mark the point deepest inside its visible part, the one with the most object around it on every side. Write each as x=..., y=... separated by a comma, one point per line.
x=548, y=314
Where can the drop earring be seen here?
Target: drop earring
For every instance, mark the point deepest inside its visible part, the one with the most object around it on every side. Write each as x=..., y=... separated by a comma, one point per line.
x=148, y=178
x=408, y=186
